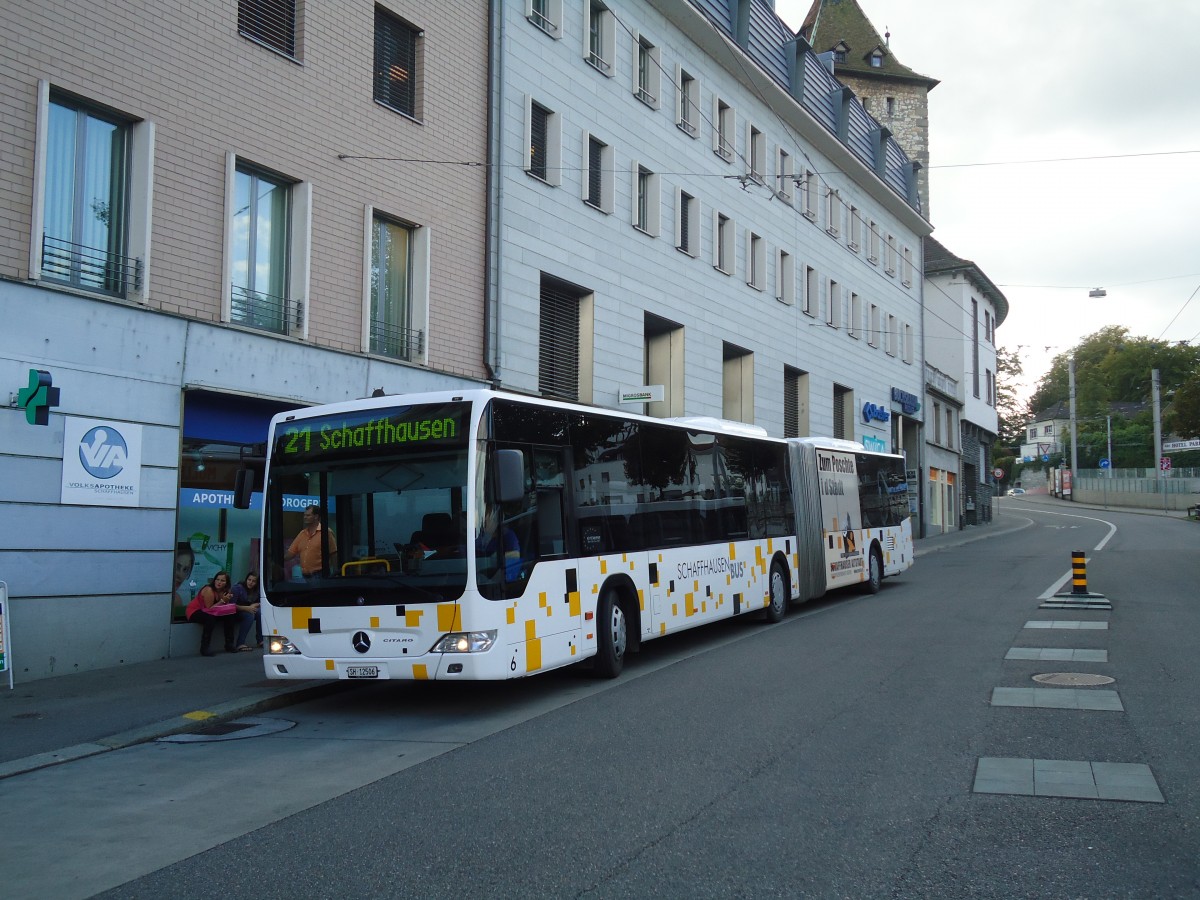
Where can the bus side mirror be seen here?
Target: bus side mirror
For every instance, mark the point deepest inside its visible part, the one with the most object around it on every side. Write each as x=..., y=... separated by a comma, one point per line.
x=510, y=471
x=243, y=487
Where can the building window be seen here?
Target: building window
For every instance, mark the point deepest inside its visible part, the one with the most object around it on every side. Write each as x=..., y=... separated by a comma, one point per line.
x=558, y=339
x=834, y=317
x=270, y=22
x=396, y=63
x=785, y=277
x=687, y=108
x=647, y=78
x=785, y=186
x=723, y=248
x=261, y=253
x=873, y=329
x=391, y=332
x=756, y=261
x=723, y=123
x=975, y=347
x=543, y=158
x=810, y=195
x=876, y=60
x=950, y=428
x=756, y=152
x=906, y=271
x=795, y=402
x=937, y=422
x=737, y=392
x=598, y=174
x=1047, y=430
x=843, y=412
x=85, y=208
x=812, y=299
x=646, y=203
x=855, y=239
x=889, y=263
x=546, y=15
x=599, y=38
x=893, y=336
x=891, y=106
x=833, y=213
x=908, y=344
x=687, y=223
x=854, y=323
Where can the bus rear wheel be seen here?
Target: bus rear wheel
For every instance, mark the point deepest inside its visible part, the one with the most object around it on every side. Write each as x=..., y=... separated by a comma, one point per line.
x=874, y=571
x=612, y=637
x=778, y=605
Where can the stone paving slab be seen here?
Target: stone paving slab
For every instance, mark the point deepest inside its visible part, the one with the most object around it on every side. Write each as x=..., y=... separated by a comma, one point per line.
x=1057, y=654
x=1067, y=778
x=1070, y=626
x=1058, y=698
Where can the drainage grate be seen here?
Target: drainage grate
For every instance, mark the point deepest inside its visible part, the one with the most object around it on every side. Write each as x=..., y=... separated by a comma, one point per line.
x=1072, y=679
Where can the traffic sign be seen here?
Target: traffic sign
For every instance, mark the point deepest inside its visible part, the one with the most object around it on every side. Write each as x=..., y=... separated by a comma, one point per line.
x=1104, y=463
x=1045, y=457
x=1165, y=464
x=998, y=472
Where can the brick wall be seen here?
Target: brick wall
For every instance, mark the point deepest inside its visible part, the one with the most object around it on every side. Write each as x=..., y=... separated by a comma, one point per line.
x=210, y=91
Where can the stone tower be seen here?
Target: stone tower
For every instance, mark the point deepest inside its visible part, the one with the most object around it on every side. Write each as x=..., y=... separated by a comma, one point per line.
x=894, y=94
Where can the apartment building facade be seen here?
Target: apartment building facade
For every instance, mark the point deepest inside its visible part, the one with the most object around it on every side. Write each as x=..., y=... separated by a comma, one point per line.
x=963, y=309
x=211, y=212
x=691, y=208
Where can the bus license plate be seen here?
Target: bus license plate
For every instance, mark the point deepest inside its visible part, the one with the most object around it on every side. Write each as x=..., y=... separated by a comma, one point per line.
x=362, y=671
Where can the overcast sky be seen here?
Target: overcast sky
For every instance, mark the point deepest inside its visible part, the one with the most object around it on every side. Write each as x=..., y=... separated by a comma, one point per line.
x=1073, y=80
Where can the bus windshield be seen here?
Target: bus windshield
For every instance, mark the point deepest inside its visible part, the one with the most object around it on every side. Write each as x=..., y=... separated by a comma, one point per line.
x=367, y=508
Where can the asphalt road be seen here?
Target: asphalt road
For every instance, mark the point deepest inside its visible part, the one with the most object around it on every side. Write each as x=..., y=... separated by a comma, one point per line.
x=833, y=755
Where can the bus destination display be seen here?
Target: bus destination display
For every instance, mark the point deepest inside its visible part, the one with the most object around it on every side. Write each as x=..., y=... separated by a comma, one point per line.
x=370, y=433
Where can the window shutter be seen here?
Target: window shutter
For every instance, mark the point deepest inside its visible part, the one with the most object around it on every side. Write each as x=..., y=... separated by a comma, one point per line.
x=273, y=22
x=558, y=342
x=539, y=121
x=395, y=63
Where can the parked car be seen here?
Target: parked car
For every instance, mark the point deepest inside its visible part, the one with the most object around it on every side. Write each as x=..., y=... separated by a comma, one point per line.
x=1017, y=491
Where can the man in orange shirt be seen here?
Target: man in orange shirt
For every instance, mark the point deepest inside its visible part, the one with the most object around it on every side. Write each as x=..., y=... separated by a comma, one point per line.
x=307, y=546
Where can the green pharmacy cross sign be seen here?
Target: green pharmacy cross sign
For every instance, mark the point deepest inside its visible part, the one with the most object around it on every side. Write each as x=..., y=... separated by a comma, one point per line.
x=38, y=398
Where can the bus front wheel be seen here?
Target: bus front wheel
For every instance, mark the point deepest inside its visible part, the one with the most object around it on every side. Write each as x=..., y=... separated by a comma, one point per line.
x=612, y=637
x=875, y=571
x=779, y=594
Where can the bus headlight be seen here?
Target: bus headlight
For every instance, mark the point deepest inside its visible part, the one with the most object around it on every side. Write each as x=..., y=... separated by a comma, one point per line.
x=277, y=645
x=465, y=642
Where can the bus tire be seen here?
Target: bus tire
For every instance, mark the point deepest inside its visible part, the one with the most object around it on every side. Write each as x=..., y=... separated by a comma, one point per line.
x=778, y=586
x=612, y=635
x=874, y=570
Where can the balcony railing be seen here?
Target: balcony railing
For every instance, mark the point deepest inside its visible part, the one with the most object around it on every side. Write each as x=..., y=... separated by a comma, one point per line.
x=939, y=380
x=89, y=268
x=268, y=312
x=399, y=343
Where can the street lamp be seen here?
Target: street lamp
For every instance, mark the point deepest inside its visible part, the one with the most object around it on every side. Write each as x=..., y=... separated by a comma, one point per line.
x=1098, y=292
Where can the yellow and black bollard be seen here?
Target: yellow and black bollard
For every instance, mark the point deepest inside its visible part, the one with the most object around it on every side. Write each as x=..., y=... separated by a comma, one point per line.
x=1078, y=572
x=1079, y=596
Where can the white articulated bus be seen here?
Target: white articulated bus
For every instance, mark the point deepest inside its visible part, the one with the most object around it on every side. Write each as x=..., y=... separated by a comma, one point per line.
x=485, y=535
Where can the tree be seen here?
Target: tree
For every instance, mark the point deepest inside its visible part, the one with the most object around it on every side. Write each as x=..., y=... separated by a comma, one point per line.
x=1112, y=367
x=1184, y=416
x=1013, y=415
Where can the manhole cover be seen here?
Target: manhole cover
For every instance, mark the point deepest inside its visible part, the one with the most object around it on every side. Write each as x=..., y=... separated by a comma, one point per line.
x=1072, y=679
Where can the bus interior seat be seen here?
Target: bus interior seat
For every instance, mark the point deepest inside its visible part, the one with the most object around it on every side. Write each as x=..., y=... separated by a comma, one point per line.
x=437, y=532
